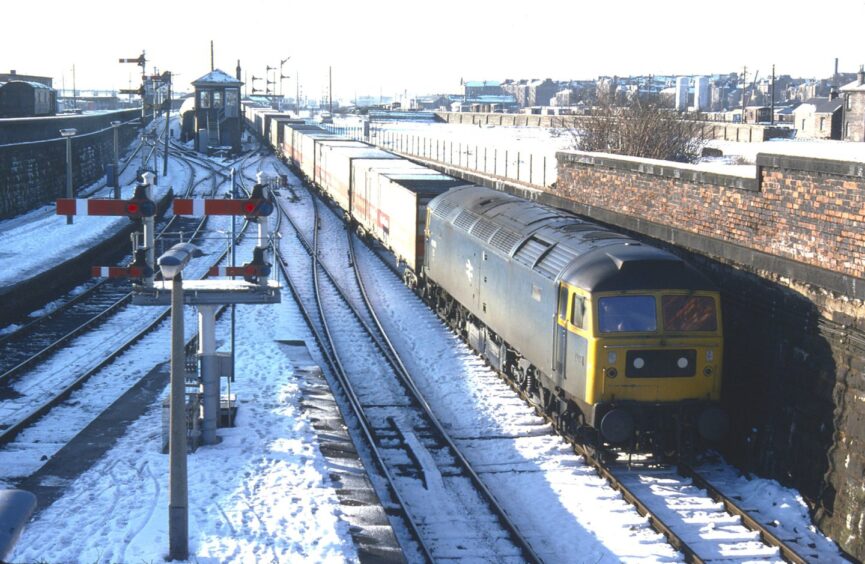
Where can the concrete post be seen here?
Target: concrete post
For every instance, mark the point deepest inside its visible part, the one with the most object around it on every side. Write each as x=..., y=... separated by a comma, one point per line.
x=149, y=224
x=178, y=499
x=116, y=125
x=209, y=372
x=68, y=134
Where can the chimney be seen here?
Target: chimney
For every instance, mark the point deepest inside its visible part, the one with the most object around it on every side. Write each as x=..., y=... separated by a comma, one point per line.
x=833, y=94
x=860, y=76
x=12, y=72
x=237, y=70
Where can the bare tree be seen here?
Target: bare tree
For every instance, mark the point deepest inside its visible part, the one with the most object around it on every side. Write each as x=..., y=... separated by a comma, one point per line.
x=640, y=129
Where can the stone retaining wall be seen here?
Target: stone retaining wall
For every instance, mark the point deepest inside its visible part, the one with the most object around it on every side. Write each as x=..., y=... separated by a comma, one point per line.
x=33, y=156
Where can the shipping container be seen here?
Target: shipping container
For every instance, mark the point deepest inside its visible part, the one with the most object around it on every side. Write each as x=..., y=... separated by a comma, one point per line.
x=392, y=207
x=336, y=159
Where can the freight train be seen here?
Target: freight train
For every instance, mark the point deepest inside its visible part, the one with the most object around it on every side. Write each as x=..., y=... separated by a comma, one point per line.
x=619, y=342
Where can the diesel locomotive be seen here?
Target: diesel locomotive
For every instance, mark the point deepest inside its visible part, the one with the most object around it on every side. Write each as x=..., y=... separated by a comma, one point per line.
x=621, y=343
x=606, y=334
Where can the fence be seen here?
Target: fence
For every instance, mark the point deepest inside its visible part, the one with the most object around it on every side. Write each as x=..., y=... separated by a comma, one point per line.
x=526, y=167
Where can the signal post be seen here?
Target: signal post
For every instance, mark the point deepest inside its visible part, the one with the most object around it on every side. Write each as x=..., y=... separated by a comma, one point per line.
x=254, y=287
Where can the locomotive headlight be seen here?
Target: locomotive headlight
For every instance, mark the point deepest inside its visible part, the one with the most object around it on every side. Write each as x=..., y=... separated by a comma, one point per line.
x=710, y=355
x=612, y=357
x=682, y=362
x=639, y=363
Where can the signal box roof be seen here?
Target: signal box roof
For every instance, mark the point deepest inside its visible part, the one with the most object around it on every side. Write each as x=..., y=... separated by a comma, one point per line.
x=217, y=78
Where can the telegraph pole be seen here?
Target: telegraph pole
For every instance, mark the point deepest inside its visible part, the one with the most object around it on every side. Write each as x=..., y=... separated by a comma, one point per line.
x=773, y=96
x=330, y=90
x=282, y=76
x=744, y=86
x=166, y=78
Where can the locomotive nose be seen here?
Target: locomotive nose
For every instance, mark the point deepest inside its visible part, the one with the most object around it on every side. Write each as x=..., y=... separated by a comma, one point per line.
x=617, y=426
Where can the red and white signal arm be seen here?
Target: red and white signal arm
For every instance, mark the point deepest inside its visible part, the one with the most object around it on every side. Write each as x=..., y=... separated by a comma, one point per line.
x=104, y=207
x=117, y=271
x=199, y=206
x=246, y=270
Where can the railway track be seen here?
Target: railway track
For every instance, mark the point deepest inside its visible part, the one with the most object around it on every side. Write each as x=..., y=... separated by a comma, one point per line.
x=36, y=339
x=444, y=504
x=708, y=526
x=78, y=356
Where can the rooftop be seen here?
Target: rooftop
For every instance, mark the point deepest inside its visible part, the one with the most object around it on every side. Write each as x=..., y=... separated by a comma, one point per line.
x=216, y=77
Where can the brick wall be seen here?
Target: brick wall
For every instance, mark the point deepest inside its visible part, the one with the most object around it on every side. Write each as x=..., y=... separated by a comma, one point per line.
x=787, y=248
x=33, y=156
x=811, y=211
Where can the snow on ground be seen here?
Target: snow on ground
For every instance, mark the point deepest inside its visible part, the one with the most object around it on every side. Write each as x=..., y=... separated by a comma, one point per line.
x=262, y=494
x=40, y=237
x=821, y=149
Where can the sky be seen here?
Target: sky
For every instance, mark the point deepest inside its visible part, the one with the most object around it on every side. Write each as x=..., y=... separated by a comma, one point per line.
x=385, y=47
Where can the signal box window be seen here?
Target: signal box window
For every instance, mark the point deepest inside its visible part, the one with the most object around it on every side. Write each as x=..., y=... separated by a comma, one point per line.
x=627, y=314
x=231, y=102
x=217, y=99
x=689, y=313
x=204, y=99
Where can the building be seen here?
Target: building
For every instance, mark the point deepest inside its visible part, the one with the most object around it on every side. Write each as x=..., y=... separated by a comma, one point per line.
x=819, y=118
x=541, y=92
x=13, y=75
x=854, y=108
x=702, y=100
x=217, y=111
x=682, y=87
x=475, y=88
x=758, y=114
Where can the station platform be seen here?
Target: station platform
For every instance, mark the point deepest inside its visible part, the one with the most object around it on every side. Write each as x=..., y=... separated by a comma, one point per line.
x=44, y=257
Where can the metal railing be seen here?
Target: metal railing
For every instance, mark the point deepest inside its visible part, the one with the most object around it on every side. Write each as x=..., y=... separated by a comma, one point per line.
x=531, y=168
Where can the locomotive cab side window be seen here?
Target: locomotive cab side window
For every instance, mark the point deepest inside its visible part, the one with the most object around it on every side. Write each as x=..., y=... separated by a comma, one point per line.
x=563, y=302
x=578, y=311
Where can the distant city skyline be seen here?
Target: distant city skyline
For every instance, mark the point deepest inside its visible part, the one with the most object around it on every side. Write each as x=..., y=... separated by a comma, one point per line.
x=388, y=48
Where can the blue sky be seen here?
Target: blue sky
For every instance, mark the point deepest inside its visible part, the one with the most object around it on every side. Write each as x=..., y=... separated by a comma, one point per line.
x=389, y=47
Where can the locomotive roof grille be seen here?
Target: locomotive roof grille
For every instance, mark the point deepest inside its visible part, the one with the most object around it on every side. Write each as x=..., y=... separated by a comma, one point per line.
x=484, y=229
x=465, y=220
x=555, y=261
x=504, y=240
x=443, y=208
x=531, y=251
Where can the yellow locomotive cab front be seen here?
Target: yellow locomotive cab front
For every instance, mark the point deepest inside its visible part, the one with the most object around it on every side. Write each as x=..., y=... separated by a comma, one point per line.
x=658, y=346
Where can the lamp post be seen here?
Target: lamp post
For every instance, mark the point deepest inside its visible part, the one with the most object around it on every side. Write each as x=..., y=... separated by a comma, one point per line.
x=68, y=134
x=116, y=126
x=171, y=263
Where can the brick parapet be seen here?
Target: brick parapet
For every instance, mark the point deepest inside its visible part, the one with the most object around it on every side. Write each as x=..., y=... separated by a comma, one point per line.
x=809, y=211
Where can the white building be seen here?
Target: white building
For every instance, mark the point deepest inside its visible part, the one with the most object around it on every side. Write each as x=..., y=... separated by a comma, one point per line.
x=682, y=85
x=702, y=100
